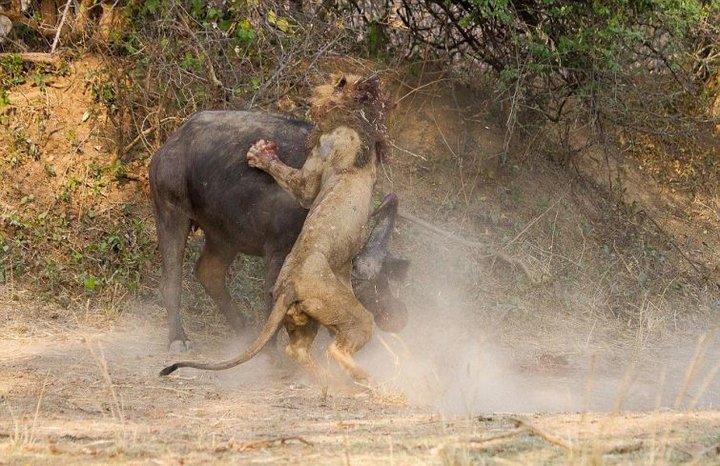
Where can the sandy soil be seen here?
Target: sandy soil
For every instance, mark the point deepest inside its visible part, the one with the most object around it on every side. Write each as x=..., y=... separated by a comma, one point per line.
x=84, y=391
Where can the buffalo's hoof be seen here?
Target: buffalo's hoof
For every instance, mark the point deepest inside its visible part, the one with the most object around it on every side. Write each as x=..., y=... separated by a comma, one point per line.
x=238, y=326
x=179, y=346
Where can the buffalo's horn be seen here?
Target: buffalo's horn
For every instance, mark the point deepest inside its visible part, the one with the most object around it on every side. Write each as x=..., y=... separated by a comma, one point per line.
x=370, y=260
x=385, y=214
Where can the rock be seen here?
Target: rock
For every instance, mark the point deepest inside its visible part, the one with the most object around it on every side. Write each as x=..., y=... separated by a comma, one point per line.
x=5, y=27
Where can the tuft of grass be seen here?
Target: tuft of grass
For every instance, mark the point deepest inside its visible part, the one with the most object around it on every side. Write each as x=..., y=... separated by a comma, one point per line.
x=116, y=403
x=24, y=435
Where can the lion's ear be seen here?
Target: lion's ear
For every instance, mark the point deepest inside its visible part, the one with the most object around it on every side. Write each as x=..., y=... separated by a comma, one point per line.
x=340, y=82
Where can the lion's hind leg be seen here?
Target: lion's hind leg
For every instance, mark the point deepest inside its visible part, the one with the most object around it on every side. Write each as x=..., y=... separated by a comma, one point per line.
x=334, y=305
x=350, y=338
x=302, y=330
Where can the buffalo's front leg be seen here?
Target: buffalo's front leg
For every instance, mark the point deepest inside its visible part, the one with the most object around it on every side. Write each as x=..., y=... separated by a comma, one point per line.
x=211, y=270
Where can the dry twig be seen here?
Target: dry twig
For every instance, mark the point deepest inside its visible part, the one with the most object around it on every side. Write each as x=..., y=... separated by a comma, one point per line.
x=475, y=244
x=260, y=444
x=422, y=157
x=548, y=437
x=59, y=29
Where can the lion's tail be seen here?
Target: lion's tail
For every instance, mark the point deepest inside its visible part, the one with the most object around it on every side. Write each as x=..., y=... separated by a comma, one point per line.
x=274, y=320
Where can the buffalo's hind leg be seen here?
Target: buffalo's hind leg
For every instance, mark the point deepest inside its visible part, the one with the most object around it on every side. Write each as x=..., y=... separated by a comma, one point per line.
x=172, y=229
x=211, y=271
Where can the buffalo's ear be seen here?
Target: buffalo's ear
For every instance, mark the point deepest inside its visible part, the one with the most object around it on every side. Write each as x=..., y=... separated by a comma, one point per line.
x=326, y=146
x=397, y=268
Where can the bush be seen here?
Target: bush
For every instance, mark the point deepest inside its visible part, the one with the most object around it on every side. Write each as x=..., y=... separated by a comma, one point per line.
x=601, y=65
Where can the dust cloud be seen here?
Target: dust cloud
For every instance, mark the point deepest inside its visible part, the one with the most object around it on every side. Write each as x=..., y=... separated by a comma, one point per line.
x=447, y=359
x=451, y=359
x=137, y=340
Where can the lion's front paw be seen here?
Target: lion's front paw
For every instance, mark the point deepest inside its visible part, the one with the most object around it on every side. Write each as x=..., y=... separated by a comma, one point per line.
x=262, y=154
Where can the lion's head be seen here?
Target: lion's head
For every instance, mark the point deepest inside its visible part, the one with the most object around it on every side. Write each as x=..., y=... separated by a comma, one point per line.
x=354, y=101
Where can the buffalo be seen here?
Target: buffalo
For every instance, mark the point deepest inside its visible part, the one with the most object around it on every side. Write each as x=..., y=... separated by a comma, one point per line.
x=200, y=178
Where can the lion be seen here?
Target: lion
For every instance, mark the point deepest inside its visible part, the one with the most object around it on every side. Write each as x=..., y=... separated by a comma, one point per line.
x=336, y=184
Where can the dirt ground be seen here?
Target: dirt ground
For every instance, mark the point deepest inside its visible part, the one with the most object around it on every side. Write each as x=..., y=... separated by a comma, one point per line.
x=79, y=389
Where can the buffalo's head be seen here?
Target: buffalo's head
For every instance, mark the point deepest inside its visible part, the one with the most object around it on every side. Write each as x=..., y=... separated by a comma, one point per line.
x=375, y=271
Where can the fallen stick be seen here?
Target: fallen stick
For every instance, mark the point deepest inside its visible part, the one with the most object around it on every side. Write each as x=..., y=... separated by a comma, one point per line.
x=512, y=433
x=56, y=41
x=542, y=434
x=439, y=231
x=623, y=449
x=183, y=391
x=246, y=446
x=408, y=152
x=35, y=57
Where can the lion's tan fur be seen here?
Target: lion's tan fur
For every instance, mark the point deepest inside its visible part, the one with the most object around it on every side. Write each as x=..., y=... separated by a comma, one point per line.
x=316, y=273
